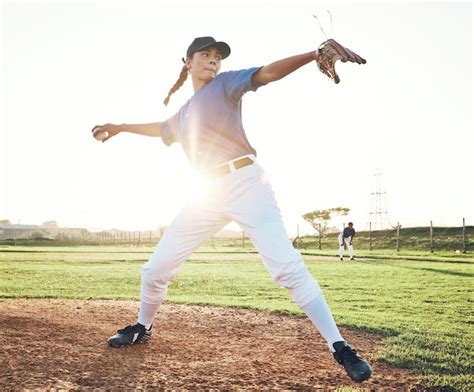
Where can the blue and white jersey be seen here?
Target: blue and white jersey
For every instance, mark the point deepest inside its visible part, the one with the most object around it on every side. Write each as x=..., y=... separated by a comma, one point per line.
x=209, y=125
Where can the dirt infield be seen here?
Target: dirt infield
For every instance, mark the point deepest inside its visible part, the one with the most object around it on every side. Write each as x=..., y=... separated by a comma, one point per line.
x=61, y=344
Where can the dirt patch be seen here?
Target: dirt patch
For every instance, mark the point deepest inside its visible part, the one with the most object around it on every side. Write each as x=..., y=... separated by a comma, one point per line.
x=62, y=344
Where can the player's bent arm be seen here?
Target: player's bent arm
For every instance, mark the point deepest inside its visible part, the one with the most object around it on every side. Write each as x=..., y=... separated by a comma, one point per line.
x=281, y=68
x=151, y=129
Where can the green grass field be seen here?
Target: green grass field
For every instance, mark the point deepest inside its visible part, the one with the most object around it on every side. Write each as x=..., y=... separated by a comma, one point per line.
x=423, y=308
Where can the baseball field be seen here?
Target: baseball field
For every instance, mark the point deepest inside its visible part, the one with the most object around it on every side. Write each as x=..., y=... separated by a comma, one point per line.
x=225, y=325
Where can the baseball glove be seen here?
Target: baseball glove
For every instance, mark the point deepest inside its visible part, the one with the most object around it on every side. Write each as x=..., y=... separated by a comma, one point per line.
x=329, y=52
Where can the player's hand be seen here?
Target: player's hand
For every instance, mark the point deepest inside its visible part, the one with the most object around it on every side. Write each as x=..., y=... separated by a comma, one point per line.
x=110, y=130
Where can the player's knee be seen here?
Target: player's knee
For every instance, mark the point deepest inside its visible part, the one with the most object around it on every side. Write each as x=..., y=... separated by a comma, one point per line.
x=291, y=278
x=157, y=274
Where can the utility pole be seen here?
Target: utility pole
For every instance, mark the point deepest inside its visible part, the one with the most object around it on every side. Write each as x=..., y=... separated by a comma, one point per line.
x=378, y=204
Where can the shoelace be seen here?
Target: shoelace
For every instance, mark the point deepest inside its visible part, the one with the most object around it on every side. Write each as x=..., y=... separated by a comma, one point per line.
x=127, y=329
x=348, y=356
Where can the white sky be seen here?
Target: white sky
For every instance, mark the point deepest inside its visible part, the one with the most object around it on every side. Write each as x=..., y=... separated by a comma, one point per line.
x=69, y=66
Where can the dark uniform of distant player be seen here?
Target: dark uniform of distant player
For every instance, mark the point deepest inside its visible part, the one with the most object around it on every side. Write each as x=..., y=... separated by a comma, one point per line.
x=346, y=236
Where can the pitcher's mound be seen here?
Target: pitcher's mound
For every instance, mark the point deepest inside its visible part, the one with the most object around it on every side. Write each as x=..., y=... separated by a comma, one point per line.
x=61, y=344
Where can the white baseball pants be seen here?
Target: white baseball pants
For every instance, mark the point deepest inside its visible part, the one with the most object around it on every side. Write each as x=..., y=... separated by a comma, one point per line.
x=245, y=196
x=348, y=242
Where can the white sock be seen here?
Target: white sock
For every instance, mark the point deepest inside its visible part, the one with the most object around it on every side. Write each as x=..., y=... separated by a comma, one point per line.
x=320, y=315
x=147, y=313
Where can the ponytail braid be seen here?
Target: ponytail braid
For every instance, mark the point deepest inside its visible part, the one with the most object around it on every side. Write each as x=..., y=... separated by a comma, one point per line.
x=182, y=78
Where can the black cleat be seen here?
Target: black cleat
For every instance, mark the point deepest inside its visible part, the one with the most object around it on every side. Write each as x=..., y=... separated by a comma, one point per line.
x=352, y=259
x=356, y=367
x=341, y=258
x=131, y=334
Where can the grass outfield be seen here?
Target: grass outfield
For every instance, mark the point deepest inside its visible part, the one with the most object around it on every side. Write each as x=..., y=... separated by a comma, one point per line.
x=424, y=308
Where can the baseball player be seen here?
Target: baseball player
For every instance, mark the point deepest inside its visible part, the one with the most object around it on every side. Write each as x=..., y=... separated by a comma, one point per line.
x=209, y=128
x=346, y=236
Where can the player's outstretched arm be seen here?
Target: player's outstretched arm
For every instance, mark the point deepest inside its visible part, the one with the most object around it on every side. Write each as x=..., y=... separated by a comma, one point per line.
x=281, y=68
x=106, y=131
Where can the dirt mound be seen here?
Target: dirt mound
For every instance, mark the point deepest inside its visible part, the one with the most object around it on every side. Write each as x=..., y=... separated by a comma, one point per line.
x=62, y=344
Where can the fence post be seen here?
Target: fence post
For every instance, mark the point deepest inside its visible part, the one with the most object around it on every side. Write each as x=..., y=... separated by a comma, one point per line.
x=464, y=246
x=398, y=236
x=320, y=236
x=431, y=236
x=370, y=235
x=243, y=239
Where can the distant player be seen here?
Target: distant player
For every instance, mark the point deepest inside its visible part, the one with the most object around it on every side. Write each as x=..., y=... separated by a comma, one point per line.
x=346, y=236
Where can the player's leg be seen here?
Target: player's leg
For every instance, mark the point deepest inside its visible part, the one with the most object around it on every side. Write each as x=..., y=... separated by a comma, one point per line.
x=255, y=209
x=341, y=247
x=193, y=226
x=350, y=247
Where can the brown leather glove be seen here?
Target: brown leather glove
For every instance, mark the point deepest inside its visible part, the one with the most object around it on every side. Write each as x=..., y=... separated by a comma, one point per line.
x=329, y=52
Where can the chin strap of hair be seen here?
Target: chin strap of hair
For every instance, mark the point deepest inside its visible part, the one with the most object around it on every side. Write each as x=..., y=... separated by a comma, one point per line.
x=182, y=78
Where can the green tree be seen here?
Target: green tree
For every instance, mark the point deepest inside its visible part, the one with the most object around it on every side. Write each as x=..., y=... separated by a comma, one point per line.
x=320, y=219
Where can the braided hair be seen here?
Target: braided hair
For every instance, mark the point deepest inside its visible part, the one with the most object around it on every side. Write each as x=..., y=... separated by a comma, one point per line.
x=182, y=78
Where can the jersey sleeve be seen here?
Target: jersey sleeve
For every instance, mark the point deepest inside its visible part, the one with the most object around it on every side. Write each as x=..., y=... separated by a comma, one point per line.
x=170, y=129
x=237, y=83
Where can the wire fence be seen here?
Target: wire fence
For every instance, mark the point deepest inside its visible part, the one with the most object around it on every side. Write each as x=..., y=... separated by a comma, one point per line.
x=428, y=238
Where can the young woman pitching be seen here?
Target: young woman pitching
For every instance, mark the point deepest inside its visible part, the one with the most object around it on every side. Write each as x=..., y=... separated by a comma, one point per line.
x=209, y=128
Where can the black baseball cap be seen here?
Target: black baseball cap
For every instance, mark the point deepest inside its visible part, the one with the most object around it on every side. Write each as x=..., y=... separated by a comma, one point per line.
x=201, y=43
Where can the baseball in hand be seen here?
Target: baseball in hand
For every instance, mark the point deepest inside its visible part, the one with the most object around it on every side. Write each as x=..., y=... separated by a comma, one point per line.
x=101, y=135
